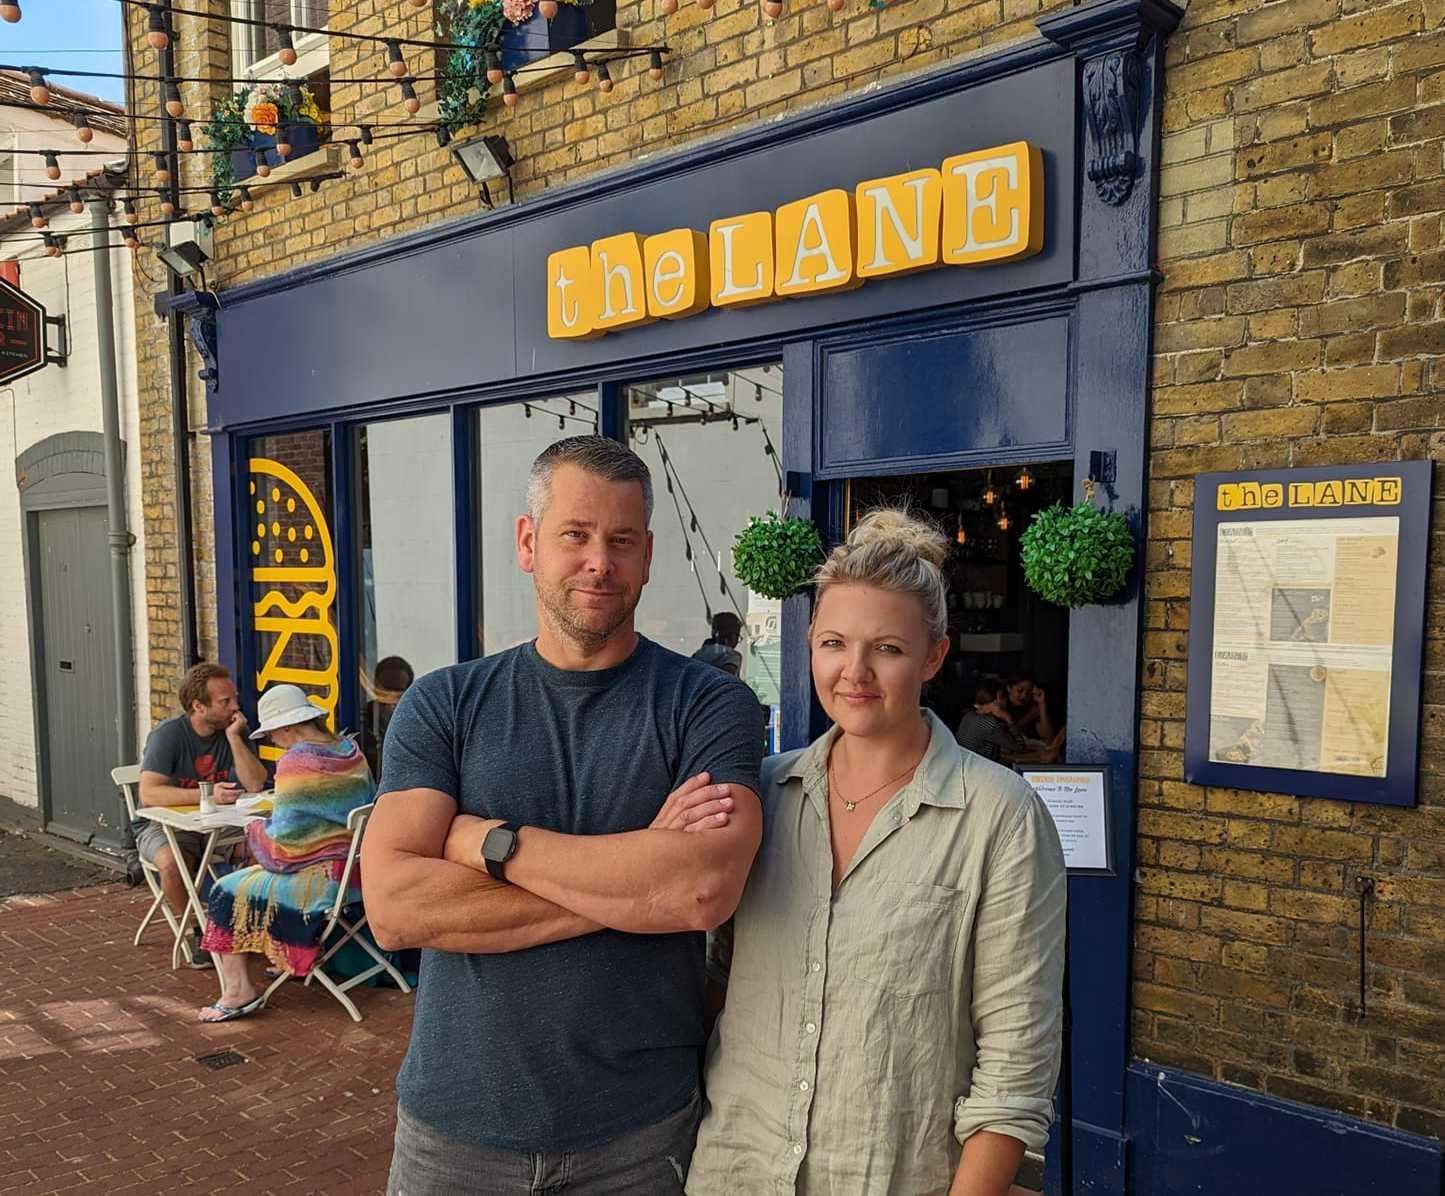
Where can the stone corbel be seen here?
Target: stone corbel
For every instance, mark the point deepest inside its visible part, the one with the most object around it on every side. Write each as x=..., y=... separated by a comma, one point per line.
x=1114, y=40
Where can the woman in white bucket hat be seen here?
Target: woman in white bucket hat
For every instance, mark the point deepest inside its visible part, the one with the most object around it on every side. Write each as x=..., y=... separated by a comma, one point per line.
x=278, y=907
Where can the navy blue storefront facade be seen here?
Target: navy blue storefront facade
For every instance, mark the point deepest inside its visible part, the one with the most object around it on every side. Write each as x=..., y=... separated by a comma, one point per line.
x=1043, y=359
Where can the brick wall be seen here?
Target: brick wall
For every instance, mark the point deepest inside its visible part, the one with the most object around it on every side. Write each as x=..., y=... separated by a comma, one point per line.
x=1301, y=243
x=1297, y=325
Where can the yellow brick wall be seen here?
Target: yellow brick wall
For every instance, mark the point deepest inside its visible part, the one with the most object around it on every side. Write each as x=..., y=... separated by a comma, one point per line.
x=1300, y=240
x=1298, y=323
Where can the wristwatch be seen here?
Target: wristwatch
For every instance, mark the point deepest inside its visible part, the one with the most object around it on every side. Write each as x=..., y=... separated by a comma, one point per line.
x=498, y=847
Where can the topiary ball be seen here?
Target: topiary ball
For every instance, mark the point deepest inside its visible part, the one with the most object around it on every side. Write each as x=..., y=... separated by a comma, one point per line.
x=777, y=557
x=1074, y=556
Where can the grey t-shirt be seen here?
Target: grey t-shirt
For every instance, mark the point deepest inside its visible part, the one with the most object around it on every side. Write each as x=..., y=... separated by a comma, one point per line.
x=174, y=749
x=571, y=1044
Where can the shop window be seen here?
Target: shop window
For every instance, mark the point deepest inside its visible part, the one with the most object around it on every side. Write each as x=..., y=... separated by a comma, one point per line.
x=508, y=440
x=291, y=560
x=711, y=441
x=406, y=589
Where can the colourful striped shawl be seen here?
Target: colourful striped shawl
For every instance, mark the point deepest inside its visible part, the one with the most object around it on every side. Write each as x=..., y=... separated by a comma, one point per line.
x=317, y=786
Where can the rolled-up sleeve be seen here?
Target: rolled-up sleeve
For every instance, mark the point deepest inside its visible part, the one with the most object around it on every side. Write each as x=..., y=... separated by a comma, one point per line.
x=1017, y=1004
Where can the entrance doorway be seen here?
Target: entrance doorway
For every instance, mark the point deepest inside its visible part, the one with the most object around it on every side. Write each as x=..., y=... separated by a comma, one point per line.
x=75, y=667
x=997, y=626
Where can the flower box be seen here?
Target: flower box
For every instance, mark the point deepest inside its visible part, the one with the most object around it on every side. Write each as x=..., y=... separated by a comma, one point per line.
x=303, y=137
x=537, y=37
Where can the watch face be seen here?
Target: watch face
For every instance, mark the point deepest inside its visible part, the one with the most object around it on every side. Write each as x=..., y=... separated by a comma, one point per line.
x=499, y=845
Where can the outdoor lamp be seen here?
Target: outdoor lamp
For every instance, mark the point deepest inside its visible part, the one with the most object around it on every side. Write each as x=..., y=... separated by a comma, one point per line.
x=604, y=77
x=484, y=158
x=409, y=97
x=357, y=160
x=579, y=67
x=187, y=247
x=494, y=66
x=263, y=168
x=218, y=209
x=654, y=64
x=509, y=91
x=162, y=171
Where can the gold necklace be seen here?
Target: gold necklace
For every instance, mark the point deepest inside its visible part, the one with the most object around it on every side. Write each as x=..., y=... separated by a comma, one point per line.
x=850, y=806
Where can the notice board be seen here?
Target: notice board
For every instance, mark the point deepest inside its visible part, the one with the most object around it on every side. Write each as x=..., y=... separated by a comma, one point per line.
x=1306, y=629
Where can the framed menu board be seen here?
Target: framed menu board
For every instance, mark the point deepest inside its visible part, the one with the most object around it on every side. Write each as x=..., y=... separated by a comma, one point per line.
x=1306, y=628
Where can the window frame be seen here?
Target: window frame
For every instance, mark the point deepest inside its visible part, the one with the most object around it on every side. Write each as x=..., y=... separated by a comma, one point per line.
x=313, y=50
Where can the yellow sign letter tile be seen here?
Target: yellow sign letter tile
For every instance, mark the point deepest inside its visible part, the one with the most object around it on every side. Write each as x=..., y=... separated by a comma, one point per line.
x=740, y=259
x=619, y=286
x=898, y=223
x=677, y=273
x=569, y=294
x=993, y=207
x=815, y=239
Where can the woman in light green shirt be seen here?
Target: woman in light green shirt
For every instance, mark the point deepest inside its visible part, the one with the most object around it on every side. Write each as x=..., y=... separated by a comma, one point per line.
x=893, y=1012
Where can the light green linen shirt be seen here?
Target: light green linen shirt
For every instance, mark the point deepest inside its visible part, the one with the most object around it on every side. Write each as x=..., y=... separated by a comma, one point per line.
x=869, y=1032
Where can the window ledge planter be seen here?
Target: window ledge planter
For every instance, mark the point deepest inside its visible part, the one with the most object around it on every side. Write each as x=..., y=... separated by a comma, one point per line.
x=303, y=137
x=538, y=38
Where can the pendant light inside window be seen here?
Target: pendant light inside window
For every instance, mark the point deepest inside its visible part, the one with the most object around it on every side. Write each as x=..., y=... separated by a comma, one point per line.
x=990, y=495
x=1025, y=480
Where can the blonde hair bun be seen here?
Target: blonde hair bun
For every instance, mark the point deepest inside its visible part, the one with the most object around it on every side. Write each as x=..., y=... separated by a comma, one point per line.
x=893, y=549
x=901, y=530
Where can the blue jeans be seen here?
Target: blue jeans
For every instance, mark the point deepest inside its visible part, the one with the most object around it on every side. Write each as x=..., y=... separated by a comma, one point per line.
x=648, y=1162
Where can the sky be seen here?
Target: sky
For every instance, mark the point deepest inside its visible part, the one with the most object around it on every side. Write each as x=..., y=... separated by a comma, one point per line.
x=88, y=29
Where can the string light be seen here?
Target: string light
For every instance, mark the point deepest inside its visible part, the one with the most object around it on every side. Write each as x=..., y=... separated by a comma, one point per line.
x=127, y=206
x=52, y=165
x=174, y=105
x=604, y=78
x=365, y=134
x=287, y=53
x=772, y=9
x=654, y=62
x=1025, y=479
x=83, y=132
x=990, y=496
x=157, y=35
x=408, y=95
x=395, y=63
x=132, y=242
x=444, y=136
x=37, y=216
x=9, y=11
x=1004, y=522
x=509, y=90
x=296, y=190
x=357, y=161
x=667, y=7
x=184, y=140
x=259, y=165
x=168, y=207
x=39, y=92
x=247, y=203
x=161, y=167
x=77, y=205
x=548, y=9
x=579, y=62
x=836, y=5
x=217, y=207
x=494, y=66
x=960, y=536
x=53, y=245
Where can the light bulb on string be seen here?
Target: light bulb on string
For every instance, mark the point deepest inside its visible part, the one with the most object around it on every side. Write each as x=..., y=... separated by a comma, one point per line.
x=131, y=240
x=604, y=78
x=990, y=495
x=509, y=91
x=296, y=192
x=37, y=216
x=83, y=132
x=247, y=203
x=218, y=209
x=52, y=165
x=184, y=141
x=960, y=536
x=158, y=37
x=283, y=147
x=395, y=63
x=1004, y=522
x=579, y=64
x=654, y=62
x=127, y=206
x=1025, y=479
x=667, y=7
x=494, y=66
x=561, y=423
x=262, y=167
x=548, y=9
x=836, y=5
x=162, y=169
x=52, y=245
x=408, y=96
x=9, y=12
x=772, y=9
x=77, y=205
x=174, y=105
x=287, y=53
x=444, y=136
x=39, y=92
x=526, y=410
x=357, y=160
x=757, y=392
x=168, y=207
x=706, y=5
x=366, y=135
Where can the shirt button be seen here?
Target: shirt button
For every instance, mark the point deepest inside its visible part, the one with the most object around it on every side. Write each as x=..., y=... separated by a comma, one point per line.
x=803, y=1087
x=797, y=1148
x=817, y=967
x=811, y=1028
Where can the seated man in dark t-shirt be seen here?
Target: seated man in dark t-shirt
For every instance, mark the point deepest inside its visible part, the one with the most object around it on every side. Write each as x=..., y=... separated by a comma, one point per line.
x=205, y=743
x=525, y=838
x=988, y=731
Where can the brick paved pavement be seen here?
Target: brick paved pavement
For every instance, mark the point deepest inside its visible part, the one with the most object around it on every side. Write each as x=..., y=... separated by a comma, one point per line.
x=100, y=1090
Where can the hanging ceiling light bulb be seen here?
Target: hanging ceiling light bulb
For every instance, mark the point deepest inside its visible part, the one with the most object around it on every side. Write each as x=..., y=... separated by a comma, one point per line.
x=494, y=65
x=1025, y=479
x=37, y=216
x=174, y=105
x=9, y=11
x=604, y=78
x=357, y=160
x=83, y=132
x=960, y=536
x=287, y=53
x=77, y=205
x=395, y=63
x=579, y=64
x=128, y=207
x=158, y=37
x=1004, y=522
x=408, y=96
x=39, y=92
x=990, y=495
x=184, y=141
x=654, y=61
x=509, y=91
x=247, y=203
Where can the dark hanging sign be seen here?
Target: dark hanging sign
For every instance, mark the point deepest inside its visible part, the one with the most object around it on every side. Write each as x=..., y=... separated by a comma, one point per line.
x=22, y=333
x=1306, y=631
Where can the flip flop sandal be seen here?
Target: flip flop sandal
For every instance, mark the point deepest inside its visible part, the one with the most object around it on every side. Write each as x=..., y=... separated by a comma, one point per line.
x=230, y=1013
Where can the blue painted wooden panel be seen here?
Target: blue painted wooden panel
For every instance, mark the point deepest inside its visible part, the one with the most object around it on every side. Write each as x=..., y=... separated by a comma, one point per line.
x=1194, y=1137
x=945, y=393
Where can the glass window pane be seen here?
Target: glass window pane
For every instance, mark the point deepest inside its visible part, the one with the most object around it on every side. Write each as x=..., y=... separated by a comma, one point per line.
x=509, y=438
x=711, y=441
x=292, y=560
x=406, y=539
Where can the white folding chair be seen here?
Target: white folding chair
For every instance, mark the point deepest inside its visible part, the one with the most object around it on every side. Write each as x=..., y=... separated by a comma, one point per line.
x=127, y=779
x=346, y=932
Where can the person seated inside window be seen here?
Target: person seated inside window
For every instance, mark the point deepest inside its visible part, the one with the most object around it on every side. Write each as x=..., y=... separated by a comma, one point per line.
x=1028, y=708
x=988, y=731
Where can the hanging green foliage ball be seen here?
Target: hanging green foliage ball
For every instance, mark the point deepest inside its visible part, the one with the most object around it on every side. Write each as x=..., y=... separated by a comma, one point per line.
x=1077, y=555
x=777, y=557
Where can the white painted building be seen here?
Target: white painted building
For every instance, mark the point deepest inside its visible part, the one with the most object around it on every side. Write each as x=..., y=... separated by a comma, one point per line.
x=55, y=632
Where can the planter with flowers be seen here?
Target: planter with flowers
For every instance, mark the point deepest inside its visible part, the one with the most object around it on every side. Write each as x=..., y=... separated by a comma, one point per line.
x=519, y=30
x=273, y=121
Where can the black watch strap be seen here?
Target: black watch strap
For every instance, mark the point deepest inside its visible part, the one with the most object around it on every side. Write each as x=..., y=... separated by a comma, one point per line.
x=497, y=849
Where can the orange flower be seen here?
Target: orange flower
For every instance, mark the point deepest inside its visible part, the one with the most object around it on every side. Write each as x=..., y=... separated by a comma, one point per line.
x=265, y=117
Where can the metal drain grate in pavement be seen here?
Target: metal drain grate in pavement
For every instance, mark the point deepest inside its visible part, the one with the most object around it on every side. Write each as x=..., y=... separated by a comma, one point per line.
x=219, y=1059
